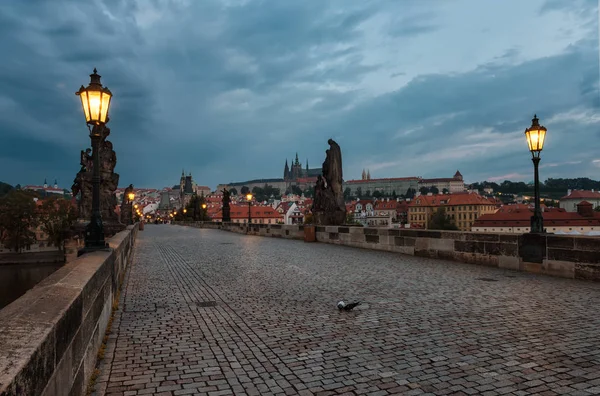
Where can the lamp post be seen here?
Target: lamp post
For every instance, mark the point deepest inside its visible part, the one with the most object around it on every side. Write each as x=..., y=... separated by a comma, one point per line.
x=536, y=135
x=249, y=198
x=203, y=210
x=95, y=100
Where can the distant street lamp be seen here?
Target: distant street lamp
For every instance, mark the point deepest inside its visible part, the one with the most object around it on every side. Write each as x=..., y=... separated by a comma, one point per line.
x=536, y=135
x=95, y=100
x=203, y=210
x=249, y=198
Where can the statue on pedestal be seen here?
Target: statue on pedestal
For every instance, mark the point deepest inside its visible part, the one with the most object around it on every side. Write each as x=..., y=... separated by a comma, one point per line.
x=329, y=207
x=109, y=181
x=226, y=208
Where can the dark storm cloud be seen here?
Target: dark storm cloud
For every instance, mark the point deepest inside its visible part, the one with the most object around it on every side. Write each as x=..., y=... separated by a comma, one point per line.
x=228, y=89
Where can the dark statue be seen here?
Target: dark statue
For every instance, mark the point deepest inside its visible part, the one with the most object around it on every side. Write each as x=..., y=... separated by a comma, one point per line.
x=126, y=193
x=226, y=208
x=126, y=206
x=328, y=206
x=108, y=182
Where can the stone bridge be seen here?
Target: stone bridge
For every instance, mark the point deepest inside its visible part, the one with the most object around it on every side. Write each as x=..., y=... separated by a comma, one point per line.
x=206, y=311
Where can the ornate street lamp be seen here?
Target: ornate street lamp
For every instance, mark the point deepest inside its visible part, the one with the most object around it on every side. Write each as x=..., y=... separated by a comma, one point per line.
x=249, y=198
x=95, y=100
x=536, y=136
x=203, y=210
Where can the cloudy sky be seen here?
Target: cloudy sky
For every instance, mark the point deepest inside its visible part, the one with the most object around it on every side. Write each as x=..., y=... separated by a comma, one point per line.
x=228, y=89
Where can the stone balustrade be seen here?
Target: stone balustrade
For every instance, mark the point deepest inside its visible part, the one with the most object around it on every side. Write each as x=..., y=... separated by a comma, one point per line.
x=50, y=337
x=557, y=255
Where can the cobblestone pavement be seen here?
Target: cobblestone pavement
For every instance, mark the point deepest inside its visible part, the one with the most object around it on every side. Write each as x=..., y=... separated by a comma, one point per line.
x=218, y=313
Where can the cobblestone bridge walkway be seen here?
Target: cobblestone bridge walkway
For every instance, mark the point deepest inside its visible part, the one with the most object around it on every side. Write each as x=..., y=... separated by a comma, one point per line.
x=218, y=313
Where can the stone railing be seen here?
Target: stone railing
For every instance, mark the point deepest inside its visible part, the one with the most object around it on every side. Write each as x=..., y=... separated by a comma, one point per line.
x=274, y=230
x=49, y=337
x=558, y=255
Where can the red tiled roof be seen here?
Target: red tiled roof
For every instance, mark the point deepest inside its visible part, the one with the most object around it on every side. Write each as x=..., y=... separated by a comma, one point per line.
x=522, y=218
x=383, y=179
x=582, y=194
x=439, y=180
x=258, y=212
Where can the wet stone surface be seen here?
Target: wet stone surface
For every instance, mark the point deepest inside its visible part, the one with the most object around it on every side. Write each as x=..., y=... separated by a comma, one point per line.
x=217, y=313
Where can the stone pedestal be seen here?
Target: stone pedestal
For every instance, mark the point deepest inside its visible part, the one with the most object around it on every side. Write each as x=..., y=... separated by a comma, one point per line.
x=337, y=217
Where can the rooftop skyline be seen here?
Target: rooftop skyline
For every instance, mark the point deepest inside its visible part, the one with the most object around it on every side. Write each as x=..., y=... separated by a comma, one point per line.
x=228, y=89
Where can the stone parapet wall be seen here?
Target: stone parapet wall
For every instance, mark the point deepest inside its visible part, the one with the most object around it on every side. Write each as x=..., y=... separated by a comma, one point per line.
x=557, y=255
x=50, y=337
x=274, y=230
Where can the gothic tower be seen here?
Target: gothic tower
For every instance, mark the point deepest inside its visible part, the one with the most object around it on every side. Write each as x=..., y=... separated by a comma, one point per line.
x=364, y=175
x=286, y=171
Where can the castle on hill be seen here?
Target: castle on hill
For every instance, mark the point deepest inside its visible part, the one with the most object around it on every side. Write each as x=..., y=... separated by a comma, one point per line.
x=294, y=175
x=296, y=172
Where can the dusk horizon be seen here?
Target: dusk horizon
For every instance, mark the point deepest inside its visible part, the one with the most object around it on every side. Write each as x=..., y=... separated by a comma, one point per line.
x=228, y=90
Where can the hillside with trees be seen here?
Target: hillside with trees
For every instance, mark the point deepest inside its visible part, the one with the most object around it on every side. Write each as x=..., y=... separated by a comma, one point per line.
x=5, y=188
x=553, y=188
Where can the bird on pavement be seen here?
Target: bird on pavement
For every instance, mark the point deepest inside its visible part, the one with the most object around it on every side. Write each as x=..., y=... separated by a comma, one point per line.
x=347, y=307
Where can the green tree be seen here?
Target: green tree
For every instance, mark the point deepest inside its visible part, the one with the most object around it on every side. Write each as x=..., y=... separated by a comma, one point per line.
x=296, y=190
x=359, y=192
x=394, y=195
x=377, y=194
x=368, y=193
x=410, y=193
x=57, y=215
x=18, y=220
x=445, y=191
x=245, y=190
x=434, y=190
x=233, y=191
x=5, y=189
x=259, y=194
x=424, y=190
x=441, y=221
x=347, y=193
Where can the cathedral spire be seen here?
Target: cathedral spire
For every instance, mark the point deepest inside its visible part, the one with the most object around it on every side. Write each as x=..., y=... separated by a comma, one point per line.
x=297, y=162
x=286, y=170
x=364, y=175
x=368, y=174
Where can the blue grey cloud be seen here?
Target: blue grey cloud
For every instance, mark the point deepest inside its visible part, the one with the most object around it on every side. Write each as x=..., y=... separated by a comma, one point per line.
x=228, y=89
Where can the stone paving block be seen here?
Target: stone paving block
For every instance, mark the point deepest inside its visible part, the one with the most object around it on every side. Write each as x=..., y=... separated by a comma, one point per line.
x=216, y=313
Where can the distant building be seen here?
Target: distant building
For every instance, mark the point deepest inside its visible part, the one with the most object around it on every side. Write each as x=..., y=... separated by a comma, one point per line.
x=557, y=220
x=570, y=201
x=387, y=186
x=453, y=184
x=463, y=208
x=295, y=175
x=46, y=189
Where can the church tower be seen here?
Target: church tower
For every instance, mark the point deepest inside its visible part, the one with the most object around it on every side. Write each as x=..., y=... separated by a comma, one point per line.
x=286, y=171
x=55, y=184
x=45, y=183
x=364, y=175
x=368, y=174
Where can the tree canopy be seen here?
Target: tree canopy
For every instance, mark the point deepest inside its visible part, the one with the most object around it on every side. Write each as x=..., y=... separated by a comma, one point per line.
x=18, y=220
x=441, y=221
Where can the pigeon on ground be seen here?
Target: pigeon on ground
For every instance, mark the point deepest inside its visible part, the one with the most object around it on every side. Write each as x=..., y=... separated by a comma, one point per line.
x=347, y=307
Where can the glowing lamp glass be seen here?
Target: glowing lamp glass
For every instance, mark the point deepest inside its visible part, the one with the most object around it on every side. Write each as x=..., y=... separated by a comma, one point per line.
x=249, y=197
